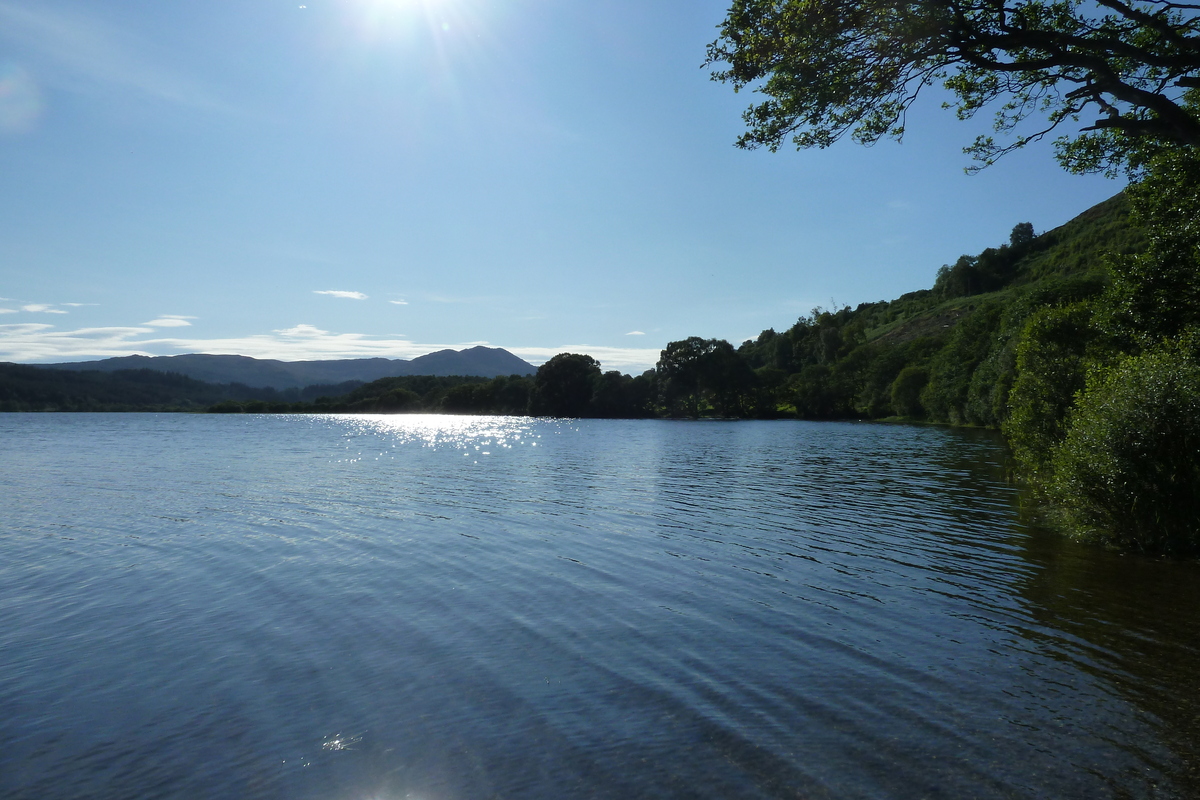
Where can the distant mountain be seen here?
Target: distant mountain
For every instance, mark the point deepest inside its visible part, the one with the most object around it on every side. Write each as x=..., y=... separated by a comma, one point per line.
x=483, y=362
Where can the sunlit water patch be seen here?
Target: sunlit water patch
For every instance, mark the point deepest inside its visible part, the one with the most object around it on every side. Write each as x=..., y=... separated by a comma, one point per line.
x=469, y=607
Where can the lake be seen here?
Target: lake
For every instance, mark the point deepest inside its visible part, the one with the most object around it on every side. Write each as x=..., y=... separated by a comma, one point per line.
x=439, y=607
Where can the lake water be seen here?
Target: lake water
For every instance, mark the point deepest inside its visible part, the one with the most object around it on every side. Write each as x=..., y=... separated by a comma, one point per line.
x=442, y=608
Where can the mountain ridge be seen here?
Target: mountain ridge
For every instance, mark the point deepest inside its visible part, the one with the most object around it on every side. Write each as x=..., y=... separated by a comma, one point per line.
x=479, y=361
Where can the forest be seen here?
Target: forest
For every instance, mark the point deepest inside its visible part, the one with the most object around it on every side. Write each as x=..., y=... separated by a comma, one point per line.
x=25, y=387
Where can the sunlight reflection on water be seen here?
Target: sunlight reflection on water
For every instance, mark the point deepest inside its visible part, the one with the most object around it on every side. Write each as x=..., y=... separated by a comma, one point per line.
x=474, y=436
x=447, y=607
x=440, y=430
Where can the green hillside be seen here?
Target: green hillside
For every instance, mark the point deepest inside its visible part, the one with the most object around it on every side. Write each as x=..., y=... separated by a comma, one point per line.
x=944, y=354
x=955, y=343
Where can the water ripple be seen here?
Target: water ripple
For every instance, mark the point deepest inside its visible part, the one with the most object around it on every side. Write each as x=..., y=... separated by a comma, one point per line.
x=433, y=606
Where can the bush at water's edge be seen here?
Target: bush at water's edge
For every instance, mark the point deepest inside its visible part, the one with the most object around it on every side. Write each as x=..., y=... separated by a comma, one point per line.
x=1127, y=473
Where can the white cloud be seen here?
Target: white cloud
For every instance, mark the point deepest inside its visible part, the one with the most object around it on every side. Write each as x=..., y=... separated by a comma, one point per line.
x=20, y=328
x=81, y=305
x=42, y=308
x=169, y=321
x=303, y=331
x=307, y=342
x=40, y=342
x=346, y=295
x=636, y=333
x=8, y=311
x=398, y=302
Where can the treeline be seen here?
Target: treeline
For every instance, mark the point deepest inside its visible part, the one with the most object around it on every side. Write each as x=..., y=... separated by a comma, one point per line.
x=28, y=388
x=403, y=394
x=569, y=385
x=945, y=354
x=1082, y=345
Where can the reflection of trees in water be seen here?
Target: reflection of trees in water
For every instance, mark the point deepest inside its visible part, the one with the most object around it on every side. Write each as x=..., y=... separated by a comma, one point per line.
x=1134, y=623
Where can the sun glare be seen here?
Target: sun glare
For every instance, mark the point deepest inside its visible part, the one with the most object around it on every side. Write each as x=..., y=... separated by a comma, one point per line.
x=382, y=18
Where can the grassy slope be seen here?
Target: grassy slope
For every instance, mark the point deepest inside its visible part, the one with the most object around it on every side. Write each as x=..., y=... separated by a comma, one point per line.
x=1076, y=248
x=956, y=341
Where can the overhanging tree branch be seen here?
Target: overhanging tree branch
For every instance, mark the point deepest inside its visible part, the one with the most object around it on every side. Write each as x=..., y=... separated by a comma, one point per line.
x=827, y=69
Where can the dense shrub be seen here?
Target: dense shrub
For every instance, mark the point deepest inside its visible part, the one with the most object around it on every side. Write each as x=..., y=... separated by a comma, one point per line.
x=1128, y=471
x=876, y=377
x=818, y=394
x=1156, y=294
x=1052, y=361
x=951, y=370
x=906, y=391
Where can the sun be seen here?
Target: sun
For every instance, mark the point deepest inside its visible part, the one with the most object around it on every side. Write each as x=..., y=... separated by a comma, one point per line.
x=432, y=13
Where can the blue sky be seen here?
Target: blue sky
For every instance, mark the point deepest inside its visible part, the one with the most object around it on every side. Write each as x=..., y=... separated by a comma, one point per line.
x=347, y=178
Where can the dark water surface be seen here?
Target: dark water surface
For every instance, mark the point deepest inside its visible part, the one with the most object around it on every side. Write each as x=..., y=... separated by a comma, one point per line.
x=439, y=608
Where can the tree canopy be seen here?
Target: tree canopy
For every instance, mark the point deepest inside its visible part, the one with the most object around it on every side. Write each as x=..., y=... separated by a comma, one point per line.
x=828, y=68
x=563, y=385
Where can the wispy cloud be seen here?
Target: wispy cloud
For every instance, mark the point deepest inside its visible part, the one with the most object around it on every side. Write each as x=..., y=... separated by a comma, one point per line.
x=80, y=305
x=42, y=343
x=42, y=308
x=345, y=295
x=303, y=331
x=169, y=321
x=86, y=46
x=636, y=333
x=398, y=302
x=8, y=311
